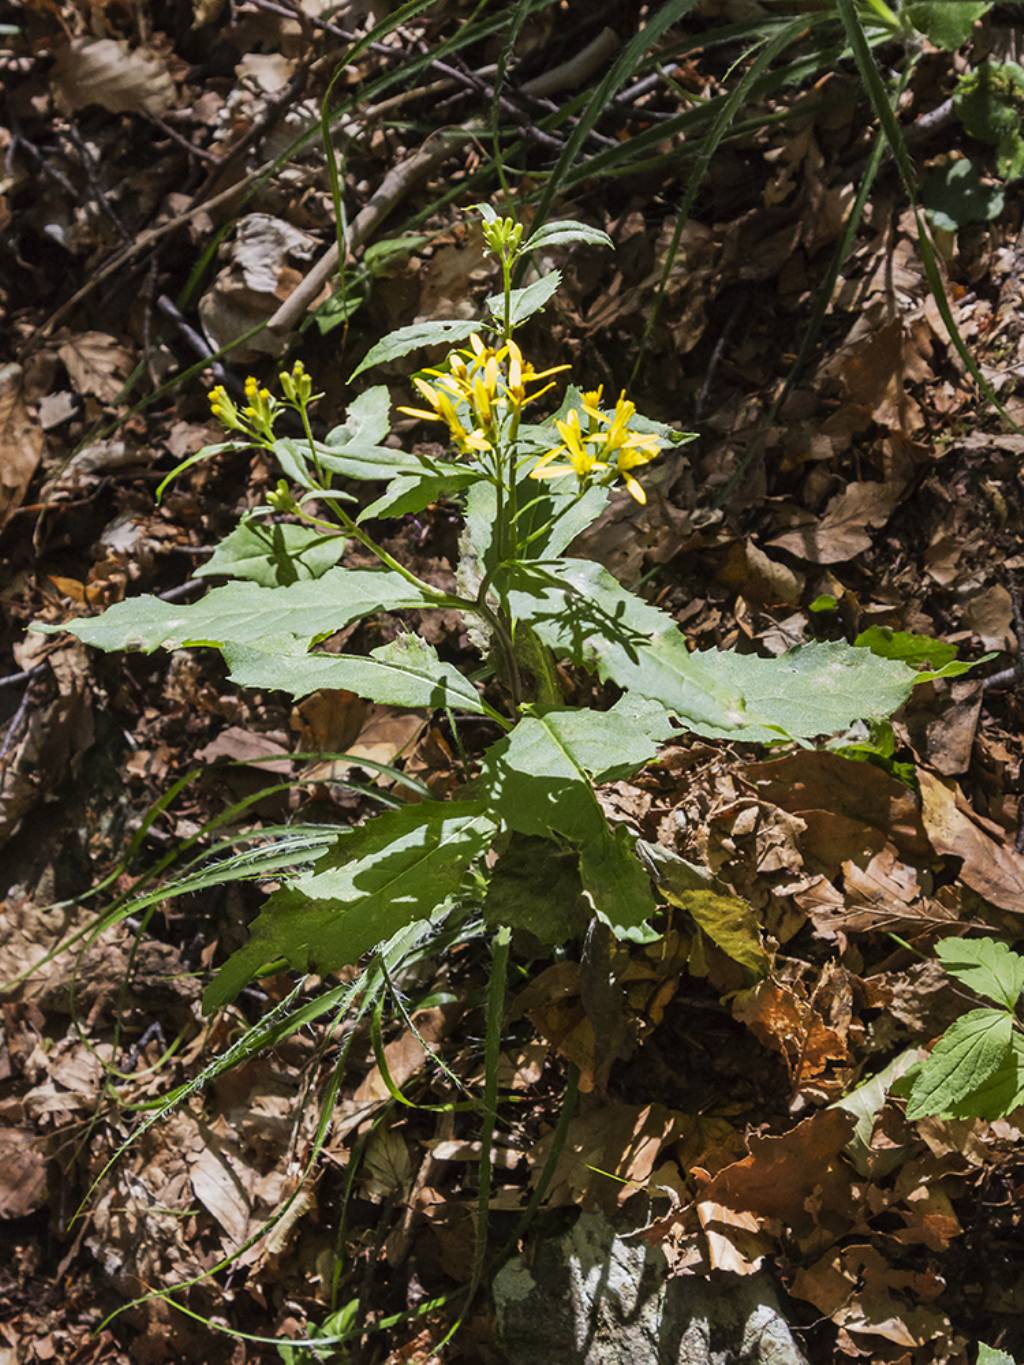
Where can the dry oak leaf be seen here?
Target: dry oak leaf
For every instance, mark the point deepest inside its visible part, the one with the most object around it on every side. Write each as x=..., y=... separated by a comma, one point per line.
x=842, y=531
x=97, y=364
x=816, y=780
x=21, y=443
x=798, y=1180
x=111, y=74
x=855, y=1287
x=991, y=869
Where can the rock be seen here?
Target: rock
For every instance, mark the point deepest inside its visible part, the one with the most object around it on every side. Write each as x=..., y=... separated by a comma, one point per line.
x=597, y=1297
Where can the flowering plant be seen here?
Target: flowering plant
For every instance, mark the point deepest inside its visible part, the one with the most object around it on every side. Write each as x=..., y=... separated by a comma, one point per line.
x=527, y=486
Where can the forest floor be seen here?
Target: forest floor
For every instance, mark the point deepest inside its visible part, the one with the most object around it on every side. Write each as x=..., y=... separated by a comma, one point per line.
x=151, y=214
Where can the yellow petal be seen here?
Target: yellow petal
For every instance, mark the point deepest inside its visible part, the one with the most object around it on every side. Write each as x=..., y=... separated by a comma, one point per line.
x=635, y=488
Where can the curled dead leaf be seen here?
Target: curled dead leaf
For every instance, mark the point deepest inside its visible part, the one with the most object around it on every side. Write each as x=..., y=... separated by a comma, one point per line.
x=109, y=73
x=21, y=443
x=988, y=867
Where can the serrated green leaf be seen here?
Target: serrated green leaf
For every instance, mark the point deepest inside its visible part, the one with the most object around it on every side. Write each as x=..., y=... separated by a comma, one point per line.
x=562, y=231
x=946, y=23
x=405, y=672
x=535, y=886
x=414, y=338
x=579, y=610
x=986, y=966
x=539, y=780
x=523, y=303
x=728, y=921
x=988, y=1355
x=413, y=492
x=1001, y=1093
x=273, y=554
x=970, y=1052
x=395, y=869
x=244, y=613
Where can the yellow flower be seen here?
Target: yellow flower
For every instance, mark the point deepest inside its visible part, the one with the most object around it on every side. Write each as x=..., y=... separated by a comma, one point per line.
x=475, y=391
x=521, y=373
x=442, y=409
x=578, y=459
x=222, y=406
x=297, y=386
x=609, y=446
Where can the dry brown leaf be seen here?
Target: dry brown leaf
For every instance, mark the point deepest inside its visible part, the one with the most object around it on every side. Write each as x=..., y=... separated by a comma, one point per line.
x=858, y=1289
x=21, y=443
x=96, y=364
x=814, y=1047
x=109, y=73
x=22, y=1173
x=609, y=1152
x=798, y=1179
x=219, y=1188
x=990, y=615
x=942, y=732
x=823, y=781
x=990, y=868
x=761, y=579
x=842, y=531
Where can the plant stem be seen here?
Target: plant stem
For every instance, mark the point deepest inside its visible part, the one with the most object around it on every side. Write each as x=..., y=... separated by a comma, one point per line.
x=506, y=274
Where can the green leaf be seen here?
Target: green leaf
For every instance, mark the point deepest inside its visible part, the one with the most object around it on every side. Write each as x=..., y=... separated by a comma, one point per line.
x=564, y=230
x=244, y=613
x=824, y=602
x=617, y=885
x=970, y=1052
x=412, y=492
x=406, y=672
x=579, y=610
x=1002, y=1092
x=395, y=869
x=413, y=338
x=550, y=516
x=365, y=463
x=535, y=886
x=988, y=1355
x=273, y=554
x=540, y=781
x=989, y=100
x=367, y=421
x=986, y=966
x=946, y=23
x=954, y=195
x=865, y=1104
x=378, y=254
x=915, y=650
x=525, y=302
x=728, y=921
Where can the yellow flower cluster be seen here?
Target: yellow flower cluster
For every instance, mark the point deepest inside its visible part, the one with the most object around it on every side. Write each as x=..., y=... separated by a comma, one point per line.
x=605, y=445
x=255, y=419
x=481, y=384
